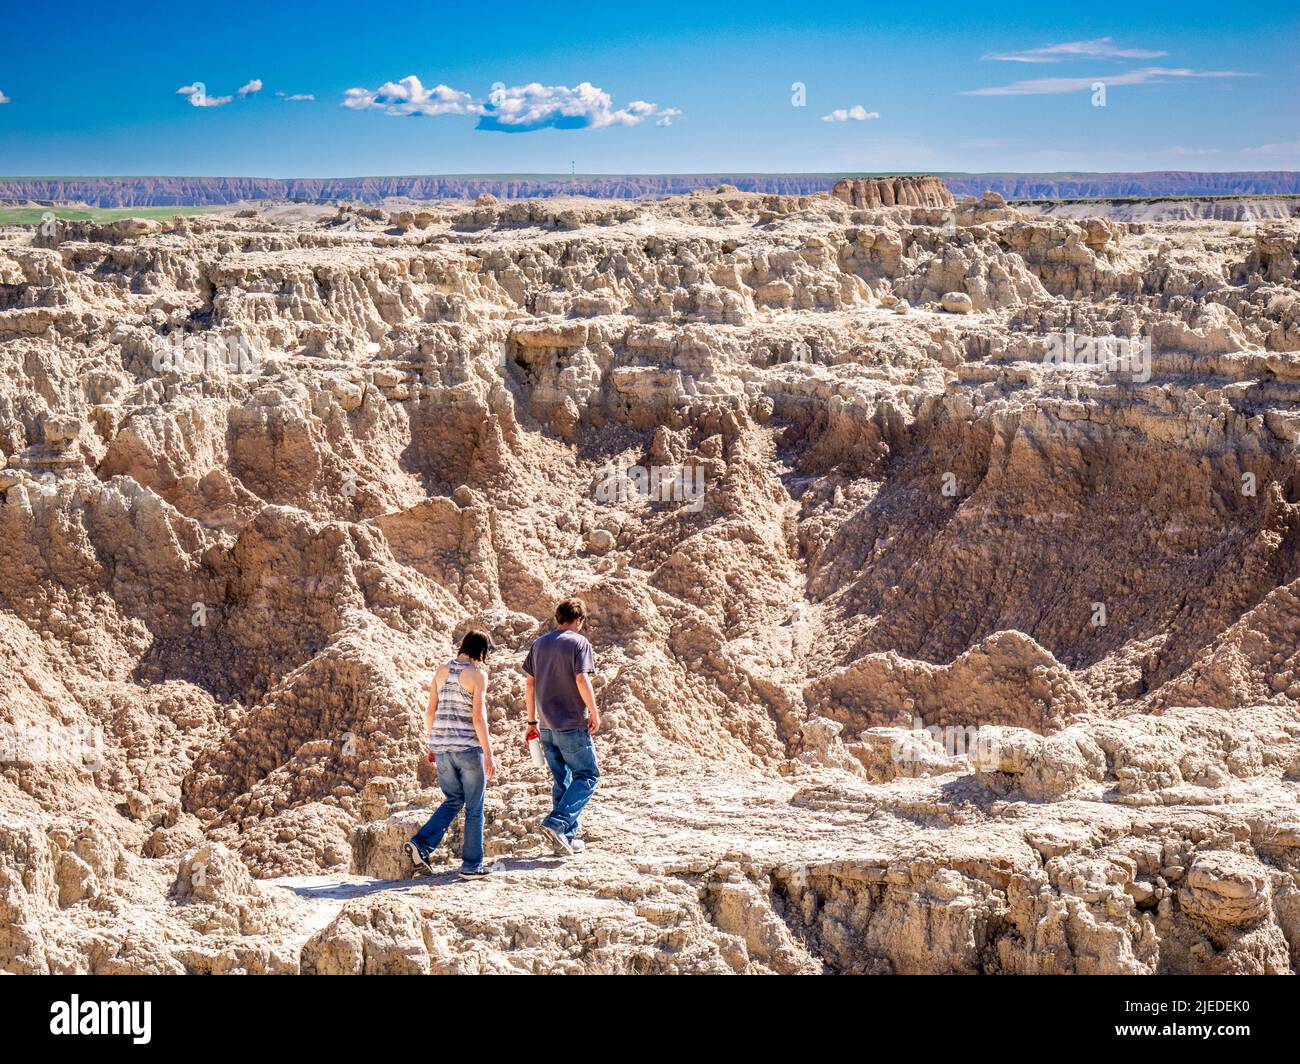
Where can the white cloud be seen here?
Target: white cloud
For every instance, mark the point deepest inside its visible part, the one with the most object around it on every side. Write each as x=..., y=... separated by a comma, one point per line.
x=1178, y=149
x=1291, y=147
x=295, y=97
x=856, y=113
x=1144, y=76
x=198, y=96
x=512, y=109
x=524, y=108
x=4, y=98
x=1097, y=48
x=409, y=97
x=253, y=86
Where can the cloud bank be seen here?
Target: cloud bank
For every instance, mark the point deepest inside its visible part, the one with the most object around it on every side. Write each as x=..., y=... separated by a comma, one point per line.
x=1144, y=76
x=511, y=109
x=409, y=97
x=525, y=108
x=856, y=113
x=1288, y=148
x=198, y=96
x=1097, y=48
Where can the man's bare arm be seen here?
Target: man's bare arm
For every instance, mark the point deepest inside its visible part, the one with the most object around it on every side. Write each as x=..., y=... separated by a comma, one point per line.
x=589, y=697
x=530, y=698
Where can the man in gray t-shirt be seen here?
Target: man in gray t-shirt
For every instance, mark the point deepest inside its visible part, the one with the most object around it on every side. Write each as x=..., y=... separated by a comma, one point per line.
x=561, y=703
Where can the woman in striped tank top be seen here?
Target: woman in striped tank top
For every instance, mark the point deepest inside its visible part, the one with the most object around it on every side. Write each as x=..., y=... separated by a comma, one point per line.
x=456, y=722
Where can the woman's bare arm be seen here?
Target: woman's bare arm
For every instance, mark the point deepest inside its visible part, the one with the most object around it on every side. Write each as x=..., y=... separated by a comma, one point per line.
x=431, y=711
x=480, y=720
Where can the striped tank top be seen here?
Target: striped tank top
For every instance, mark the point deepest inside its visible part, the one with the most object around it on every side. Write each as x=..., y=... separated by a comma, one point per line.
x=453, y=724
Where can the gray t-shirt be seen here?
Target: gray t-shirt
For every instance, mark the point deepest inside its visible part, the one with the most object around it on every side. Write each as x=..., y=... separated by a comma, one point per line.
x=553, y=661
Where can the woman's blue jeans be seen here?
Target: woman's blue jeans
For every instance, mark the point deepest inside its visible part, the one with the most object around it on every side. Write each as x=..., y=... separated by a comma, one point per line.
x=461, y=777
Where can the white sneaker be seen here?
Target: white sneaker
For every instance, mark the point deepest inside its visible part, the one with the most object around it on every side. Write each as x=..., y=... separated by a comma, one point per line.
x=561, y=845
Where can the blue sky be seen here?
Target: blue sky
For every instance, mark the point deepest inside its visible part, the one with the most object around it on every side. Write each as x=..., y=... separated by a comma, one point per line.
x=664, y=88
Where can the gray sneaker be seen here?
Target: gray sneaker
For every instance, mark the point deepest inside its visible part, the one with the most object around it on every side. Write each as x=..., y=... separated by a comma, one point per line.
x=417, y=858
x=559, y=843
x=481, y=872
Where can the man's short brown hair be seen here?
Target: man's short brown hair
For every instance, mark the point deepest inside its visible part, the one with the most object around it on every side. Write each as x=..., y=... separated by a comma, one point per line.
x=570, y=610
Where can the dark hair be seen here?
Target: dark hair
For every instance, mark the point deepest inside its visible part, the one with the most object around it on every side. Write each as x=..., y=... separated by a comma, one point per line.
x=476, y=645
x=570, y=610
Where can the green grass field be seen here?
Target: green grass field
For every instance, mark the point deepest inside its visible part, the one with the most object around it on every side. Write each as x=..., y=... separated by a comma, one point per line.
x=33, y=215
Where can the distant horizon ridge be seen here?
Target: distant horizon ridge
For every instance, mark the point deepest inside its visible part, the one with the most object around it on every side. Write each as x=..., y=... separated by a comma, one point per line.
x=204, y=191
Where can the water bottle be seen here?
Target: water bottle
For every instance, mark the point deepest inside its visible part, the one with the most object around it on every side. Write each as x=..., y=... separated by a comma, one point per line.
x=534, y=740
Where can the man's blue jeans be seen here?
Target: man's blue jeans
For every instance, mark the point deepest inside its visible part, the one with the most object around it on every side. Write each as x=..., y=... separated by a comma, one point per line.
x=461, y=777
x=571, y=755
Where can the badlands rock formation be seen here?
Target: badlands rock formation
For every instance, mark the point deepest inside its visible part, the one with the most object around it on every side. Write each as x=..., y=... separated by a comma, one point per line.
x=893, y=192
x=1248, y=210
x=965, y=656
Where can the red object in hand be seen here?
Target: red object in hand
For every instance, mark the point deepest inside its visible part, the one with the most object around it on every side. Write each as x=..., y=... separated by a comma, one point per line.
x=432, y=760
x=533, y=744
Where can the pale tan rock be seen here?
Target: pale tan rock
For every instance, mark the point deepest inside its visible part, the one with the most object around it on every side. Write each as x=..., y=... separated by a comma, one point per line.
x=964, y=663
x=911, y=191
x=600, y=540
x=375, y=936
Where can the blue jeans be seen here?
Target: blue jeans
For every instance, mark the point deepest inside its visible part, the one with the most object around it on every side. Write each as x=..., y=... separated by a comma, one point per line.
x=460, y=775
x=571, y=755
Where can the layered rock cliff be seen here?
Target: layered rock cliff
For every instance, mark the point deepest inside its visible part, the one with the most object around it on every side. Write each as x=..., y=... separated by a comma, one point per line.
x=911, y=191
